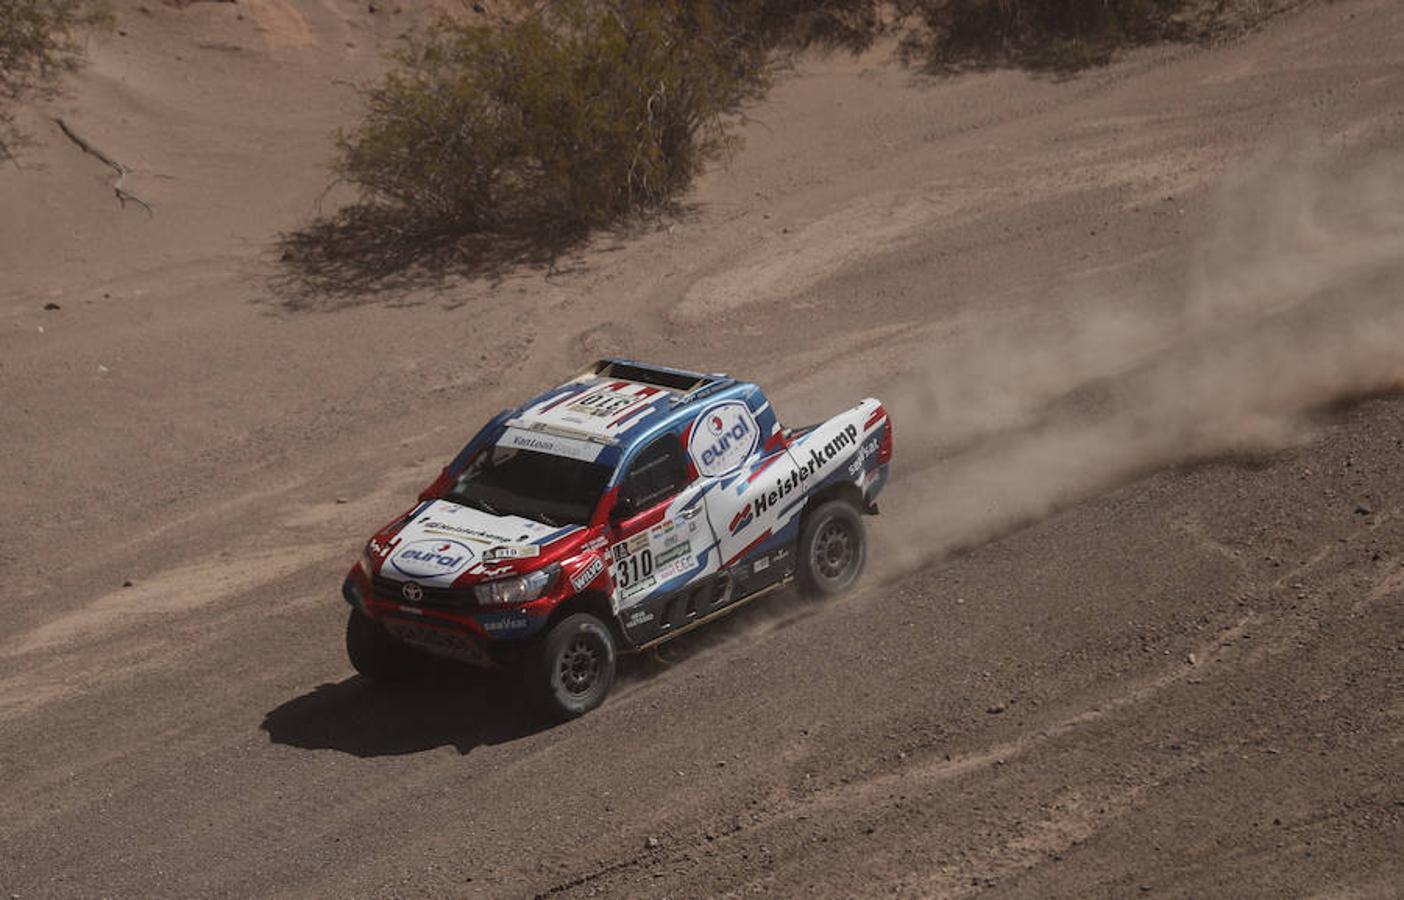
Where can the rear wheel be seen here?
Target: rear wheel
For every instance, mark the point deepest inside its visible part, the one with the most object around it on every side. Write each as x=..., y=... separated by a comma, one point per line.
x=832, y=548
x=574, y=668
x=374, y=653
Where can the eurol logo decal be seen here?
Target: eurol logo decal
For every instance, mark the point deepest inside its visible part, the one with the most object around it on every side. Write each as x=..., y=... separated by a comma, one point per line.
x=724, y=437
x=432, y=558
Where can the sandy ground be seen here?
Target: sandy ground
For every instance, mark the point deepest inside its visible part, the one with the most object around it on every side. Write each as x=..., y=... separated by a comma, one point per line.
x=1135, y=614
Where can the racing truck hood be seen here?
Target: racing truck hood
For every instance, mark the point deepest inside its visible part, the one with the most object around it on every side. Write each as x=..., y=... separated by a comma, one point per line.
x=442, y=543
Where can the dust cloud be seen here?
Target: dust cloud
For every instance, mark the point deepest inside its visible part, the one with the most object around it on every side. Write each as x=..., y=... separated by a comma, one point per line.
x=1294, y=301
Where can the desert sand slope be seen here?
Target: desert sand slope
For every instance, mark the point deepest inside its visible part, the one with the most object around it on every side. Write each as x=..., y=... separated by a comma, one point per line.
x=1092, y=657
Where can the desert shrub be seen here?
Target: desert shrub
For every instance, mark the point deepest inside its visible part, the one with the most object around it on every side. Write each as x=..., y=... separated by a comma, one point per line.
x=39, y=44
x=570, y=115
x=488, y=146
x=1034, y=33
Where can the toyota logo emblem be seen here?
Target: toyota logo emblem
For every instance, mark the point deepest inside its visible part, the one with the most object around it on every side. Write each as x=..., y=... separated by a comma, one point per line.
x=413, y=592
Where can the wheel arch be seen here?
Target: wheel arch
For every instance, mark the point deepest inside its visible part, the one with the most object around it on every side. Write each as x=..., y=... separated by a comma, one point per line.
x=846, y=491
x=597, y=604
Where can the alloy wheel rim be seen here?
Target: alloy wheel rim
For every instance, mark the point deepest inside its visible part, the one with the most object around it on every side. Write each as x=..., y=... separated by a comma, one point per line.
x=580, y=665
x=833, y=550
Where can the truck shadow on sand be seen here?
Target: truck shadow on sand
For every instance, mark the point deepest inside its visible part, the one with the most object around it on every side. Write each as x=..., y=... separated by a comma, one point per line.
x=444, y=706
x=453, y=705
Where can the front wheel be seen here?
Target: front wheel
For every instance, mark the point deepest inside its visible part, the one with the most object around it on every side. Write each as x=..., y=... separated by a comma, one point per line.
x=832, y=548
x=574, y=667
x=374, y=653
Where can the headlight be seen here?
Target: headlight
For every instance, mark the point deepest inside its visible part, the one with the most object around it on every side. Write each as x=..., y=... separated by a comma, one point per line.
x=365, y=564
x=511, y=591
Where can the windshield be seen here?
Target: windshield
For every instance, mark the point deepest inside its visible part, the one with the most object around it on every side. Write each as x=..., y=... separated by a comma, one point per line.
x=510, y=481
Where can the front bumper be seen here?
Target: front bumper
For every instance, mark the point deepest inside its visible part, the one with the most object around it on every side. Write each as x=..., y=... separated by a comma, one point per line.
x=446, y=628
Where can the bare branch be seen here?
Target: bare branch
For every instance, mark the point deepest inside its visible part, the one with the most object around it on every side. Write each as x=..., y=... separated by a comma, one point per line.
x=122, y=194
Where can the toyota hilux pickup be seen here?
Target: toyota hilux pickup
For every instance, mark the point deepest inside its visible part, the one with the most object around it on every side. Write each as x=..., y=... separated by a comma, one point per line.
x=606, y=516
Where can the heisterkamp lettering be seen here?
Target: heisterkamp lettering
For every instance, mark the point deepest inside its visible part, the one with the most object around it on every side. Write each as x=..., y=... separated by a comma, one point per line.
x=818, y=459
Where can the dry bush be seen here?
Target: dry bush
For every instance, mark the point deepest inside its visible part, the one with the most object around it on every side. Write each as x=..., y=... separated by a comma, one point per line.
x=1055, y=34
x=40, y=42
x=493, y=144
x=573, y=114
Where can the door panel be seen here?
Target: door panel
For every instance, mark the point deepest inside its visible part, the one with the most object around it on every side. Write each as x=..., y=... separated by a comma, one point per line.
x=751, y=509
x=656, y=555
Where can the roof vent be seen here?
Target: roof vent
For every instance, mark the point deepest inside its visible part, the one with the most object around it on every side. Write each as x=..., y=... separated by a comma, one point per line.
x=657, y=376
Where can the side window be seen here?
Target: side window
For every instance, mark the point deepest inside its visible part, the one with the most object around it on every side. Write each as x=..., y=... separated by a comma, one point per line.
x=657, y=473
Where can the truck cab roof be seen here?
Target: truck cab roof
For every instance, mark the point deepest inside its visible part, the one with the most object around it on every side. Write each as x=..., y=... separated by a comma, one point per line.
x=619, y=402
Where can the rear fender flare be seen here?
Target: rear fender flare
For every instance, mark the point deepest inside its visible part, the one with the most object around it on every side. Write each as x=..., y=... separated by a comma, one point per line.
x=846, y=491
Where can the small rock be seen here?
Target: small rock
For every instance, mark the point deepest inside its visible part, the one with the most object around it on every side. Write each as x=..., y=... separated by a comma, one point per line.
x=1362, y=510
x=651, y=843
x=103, y=370
x=340, y=500
x=1192, y=659
x=52, y=306
x=869, y=830
x=127, y=583
x=996, y=709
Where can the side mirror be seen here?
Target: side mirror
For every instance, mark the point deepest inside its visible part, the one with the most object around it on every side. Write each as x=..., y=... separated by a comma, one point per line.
x=623, y=509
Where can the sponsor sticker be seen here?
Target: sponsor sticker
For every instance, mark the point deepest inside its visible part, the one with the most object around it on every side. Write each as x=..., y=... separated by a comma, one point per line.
x=723, y=438
x=865, y=452
x=510, y=551
x=477, y=535
x=812, y=465
x=586, y=576
x=432, y=558
x=742, y=518
x=653, y=556
x=550, y=443
x=605, y=403
x=503, y=622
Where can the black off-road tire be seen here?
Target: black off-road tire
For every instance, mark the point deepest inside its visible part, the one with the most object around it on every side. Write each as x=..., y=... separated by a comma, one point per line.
x=375, y=653
x=833, y=548
x=574, y=667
